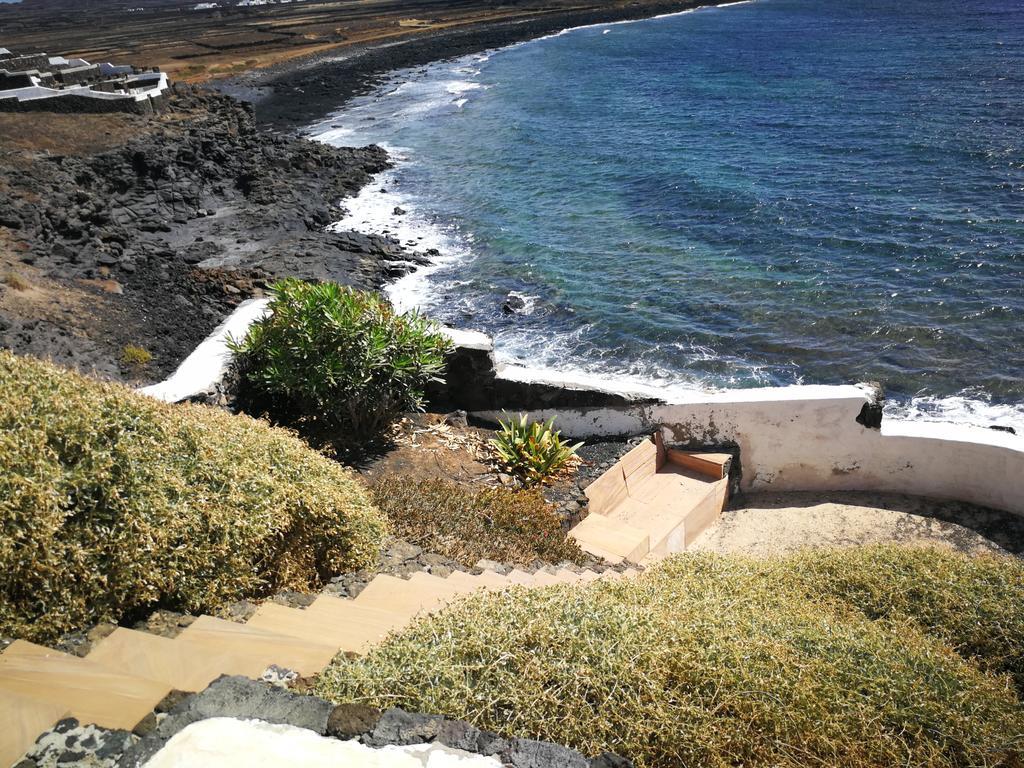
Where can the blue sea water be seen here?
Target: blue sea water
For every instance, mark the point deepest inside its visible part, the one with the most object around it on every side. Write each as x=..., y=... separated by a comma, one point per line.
x=775, y=192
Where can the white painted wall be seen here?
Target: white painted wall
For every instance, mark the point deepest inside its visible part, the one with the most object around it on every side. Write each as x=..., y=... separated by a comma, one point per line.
x=800, y=438
x=206, y=366
x=33, y=92
x=806, y=438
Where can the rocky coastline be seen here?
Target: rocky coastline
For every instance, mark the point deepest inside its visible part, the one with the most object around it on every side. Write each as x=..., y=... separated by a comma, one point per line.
x=120, y=262
x=151, y=244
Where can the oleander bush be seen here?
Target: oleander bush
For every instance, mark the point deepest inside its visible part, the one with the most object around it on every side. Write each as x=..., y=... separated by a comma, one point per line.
x=531, y=451
x=510, y=526
x=112, y=502
x=338, y=363
x=710, y=660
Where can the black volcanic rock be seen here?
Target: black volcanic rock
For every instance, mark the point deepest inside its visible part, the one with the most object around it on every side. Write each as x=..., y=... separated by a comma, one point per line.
x=208, y=199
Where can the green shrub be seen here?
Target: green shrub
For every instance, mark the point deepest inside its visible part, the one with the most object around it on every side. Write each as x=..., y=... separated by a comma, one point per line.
x=135, y=357
x=111, y=502
x=702, y=661
x=467, y=525
x=532, y=451
x=339, y=363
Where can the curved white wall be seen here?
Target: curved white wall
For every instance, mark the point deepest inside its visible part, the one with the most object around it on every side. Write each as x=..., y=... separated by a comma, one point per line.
x=807, y=438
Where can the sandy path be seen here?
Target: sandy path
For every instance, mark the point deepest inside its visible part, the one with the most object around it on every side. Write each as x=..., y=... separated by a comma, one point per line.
x=776, y=523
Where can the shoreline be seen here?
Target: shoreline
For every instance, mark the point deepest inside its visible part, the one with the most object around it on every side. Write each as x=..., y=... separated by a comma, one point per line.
x=956, y=408
x=299, y=92
x=358, y=72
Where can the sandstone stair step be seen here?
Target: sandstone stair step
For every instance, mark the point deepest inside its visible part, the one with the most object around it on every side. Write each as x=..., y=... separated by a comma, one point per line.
x=488, y=580
x=704, y=515
x=517, y=576
x=544, y=579
x=589, y=575
x=258, y=645
x=491, y=580
x=91, y=692
x=665, y=528
x=613, y=540
x=346, y=609
x=344, y=634
x=24, y=718
x=421, y=593
x=177, y=662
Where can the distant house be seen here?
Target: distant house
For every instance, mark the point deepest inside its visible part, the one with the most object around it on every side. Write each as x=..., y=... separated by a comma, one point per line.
x=40, y=83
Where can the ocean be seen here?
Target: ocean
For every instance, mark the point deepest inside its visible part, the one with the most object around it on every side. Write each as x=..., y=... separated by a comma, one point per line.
x=764, y=193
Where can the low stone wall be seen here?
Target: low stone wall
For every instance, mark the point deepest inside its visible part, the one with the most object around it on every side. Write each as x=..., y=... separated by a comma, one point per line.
x=815, y=438
x=800, y=438
x=238, y=697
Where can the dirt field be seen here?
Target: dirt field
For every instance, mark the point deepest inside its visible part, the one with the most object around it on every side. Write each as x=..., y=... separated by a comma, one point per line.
x=197, y=45
x=776, y=523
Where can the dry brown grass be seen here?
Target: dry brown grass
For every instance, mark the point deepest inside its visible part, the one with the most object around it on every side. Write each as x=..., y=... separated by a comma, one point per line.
x=510, y=526
x=69, y=134
x=725, y=661
x=16, y=281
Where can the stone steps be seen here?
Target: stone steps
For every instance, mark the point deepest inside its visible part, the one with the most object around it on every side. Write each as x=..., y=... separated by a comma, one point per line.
x=613, y=540
x=304, y=656
x=24, y=718
x=87, y=690
x=177, y=662
x=128, y=672
x=653, y=503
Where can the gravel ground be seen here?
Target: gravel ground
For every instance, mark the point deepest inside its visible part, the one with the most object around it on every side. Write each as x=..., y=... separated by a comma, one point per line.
x=777, y=523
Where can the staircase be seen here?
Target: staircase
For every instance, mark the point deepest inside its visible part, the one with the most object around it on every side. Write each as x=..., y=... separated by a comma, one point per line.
x=127, y=673
x=653, y=502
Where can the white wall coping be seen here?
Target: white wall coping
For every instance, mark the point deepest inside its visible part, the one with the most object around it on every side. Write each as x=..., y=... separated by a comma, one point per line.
x=469, y=339
x=206, y=366
x=963, y=433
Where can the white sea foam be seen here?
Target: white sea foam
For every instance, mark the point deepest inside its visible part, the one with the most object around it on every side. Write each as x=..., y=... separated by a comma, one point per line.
x=604, y=24
x=967, y=408
x=373, y=211
x=461, y=86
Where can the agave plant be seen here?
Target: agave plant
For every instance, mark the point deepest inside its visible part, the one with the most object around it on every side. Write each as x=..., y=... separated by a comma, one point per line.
x=531, y=451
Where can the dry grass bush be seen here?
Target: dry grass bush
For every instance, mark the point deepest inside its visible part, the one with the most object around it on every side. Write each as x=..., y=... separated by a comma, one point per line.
x=467, y=525
x=111, y=501
x=975, y=604
x=16, y=281
x=703, y=661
